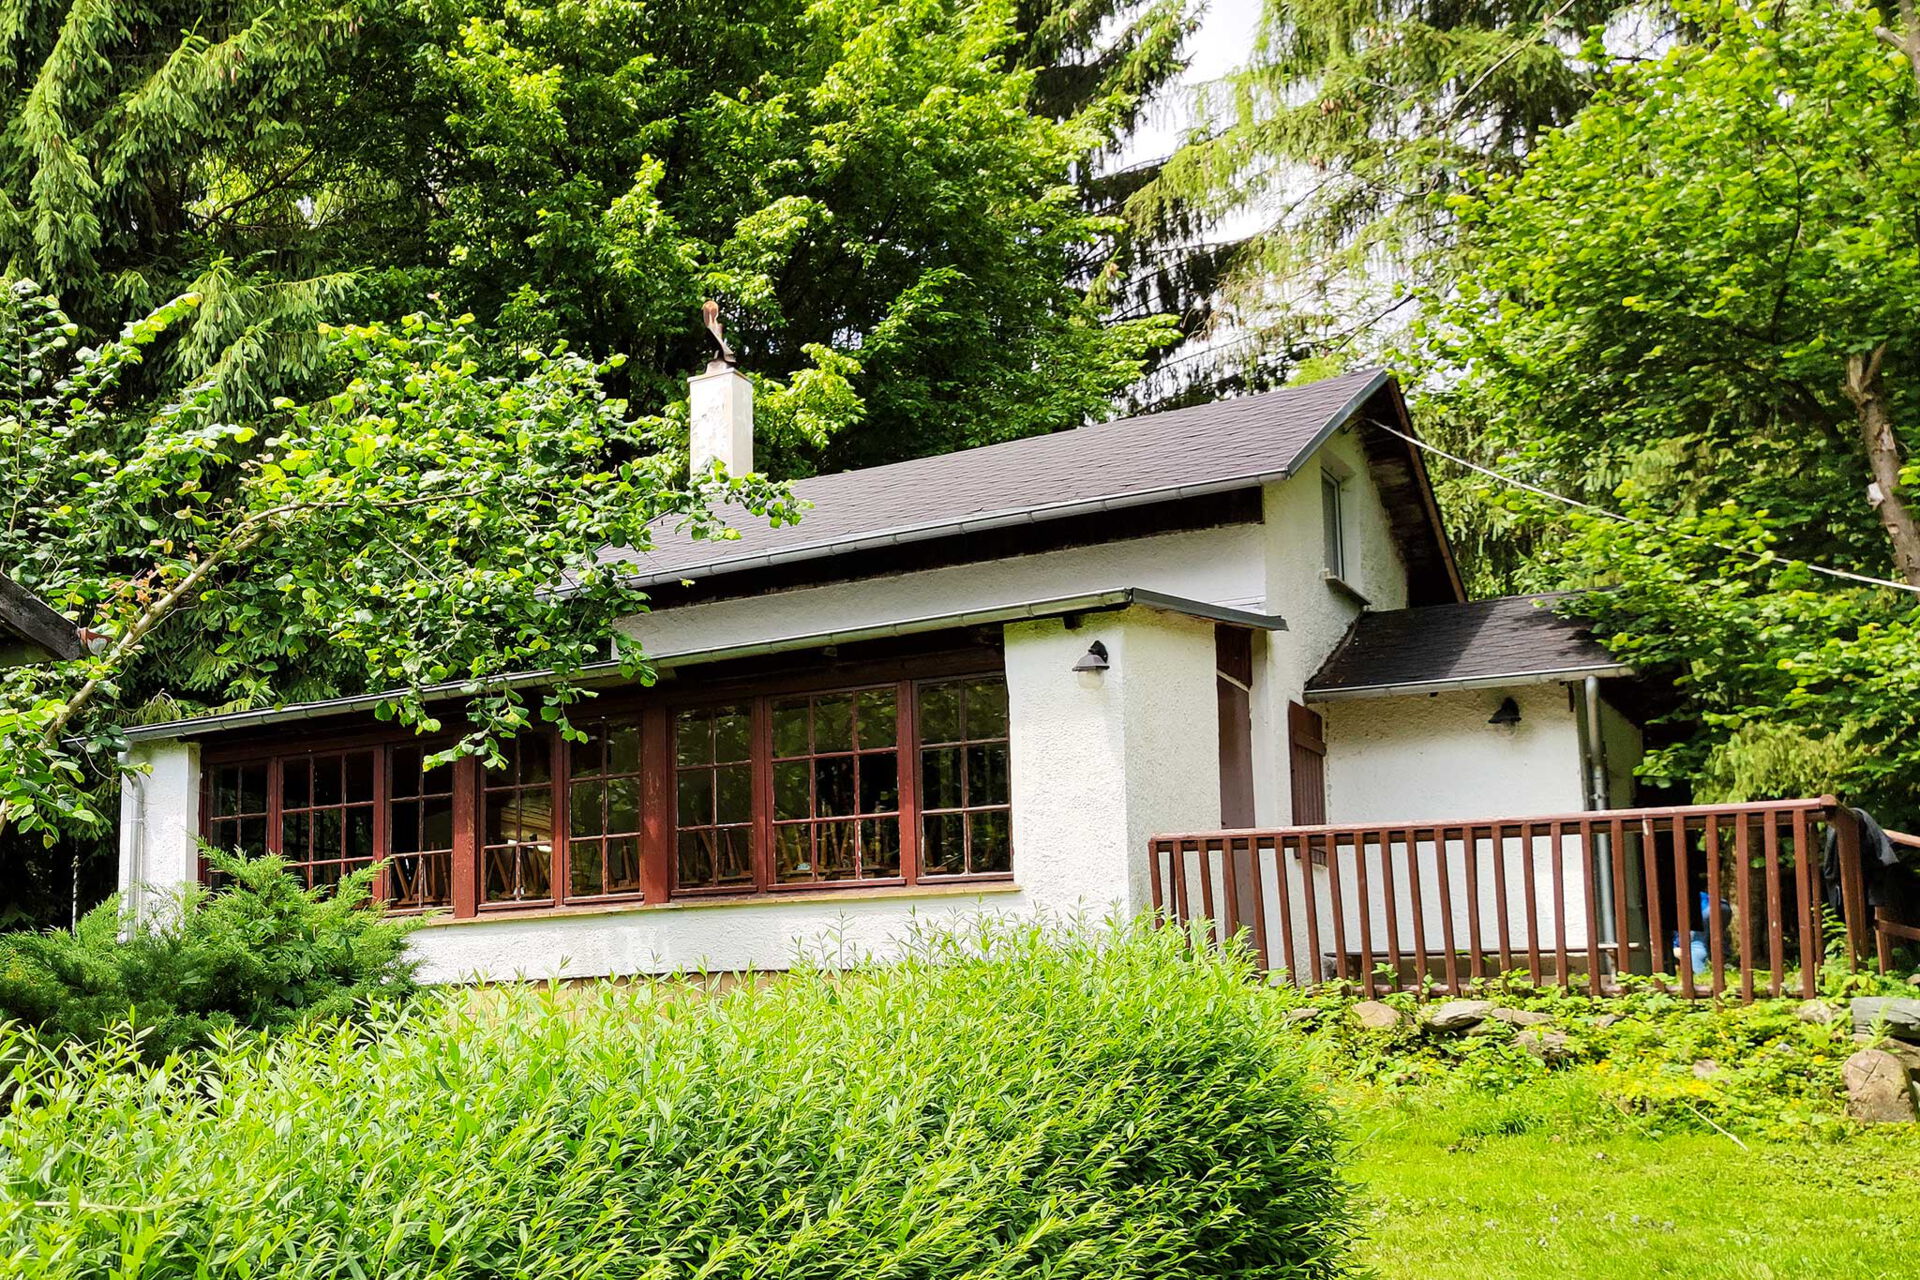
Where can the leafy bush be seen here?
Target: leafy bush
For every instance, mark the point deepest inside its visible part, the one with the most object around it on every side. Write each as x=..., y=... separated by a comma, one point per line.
x=1005, y=1104
x=263, y=953
x=1644, y=1057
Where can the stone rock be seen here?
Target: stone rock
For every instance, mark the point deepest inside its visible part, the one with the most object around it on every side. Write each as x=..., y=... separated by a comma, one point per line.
x=1521, y=1017
x=1913, y=980
x=1878, y=1091
x=1305, y=1015
x=1375, y=1016
x=1706, y=1069
x=1548, y=1046
x=1901, y=1017
x=1909, y=1054
x=1815, y=1011
x=1605, y=1020
x=1458, y=1015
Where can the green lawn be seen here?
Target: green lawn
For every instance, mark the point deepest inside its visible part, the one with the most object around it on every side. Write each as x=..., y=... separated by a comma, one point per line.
x=1444, y=1202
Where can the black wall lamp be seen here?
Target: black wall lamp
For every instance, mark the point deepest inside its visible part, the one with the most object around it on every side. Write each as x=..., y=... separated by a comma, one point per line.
x=1507, y=716
x=1094, y=659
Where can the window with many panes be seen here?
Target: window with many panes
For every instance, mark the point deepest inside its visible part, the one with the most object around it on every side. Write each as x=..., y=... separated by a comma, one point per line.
x=238, y=809
x=965, y=795
x=713, y=798
x=603, y=812
x=517, y=823
x=878, y=784
x=421, y=830
x=327, y=815
x=836, y=787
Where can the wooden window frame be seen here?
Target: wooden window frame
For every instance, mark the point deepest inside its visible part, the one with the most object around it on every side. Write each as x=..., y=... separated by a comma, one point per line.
x=655, y=713
x=966, y=811
x=384, y=827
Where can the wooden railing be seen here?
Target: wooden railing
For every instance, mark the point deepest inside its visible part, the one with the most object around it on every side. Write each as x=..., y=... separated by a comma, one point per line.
x=1889, y=933
x=1699, y=899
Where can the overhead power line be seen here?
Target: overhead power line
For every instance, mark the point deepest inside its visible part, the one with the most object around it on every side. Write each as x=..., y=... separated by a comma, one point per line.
x=1577, y=504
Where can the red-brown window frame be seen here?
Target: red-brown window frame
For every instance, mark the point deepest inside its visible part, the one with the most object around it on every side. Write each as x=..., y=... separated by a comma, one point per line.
x=656, y=715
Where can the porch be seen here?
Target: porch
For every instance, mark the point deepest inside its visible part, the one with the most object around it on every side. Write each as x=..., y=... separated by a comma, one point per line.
x=1700, y=900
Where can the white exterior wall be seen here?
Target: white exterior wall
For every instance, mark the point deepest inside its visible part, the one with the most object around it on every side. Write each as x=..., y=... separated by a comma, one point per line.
x=1318, y=613
x=1220, y=566
x=159, y=822
x=1433, y=758
x=1621, y=745
x=1430, y=757
x=1099, y=763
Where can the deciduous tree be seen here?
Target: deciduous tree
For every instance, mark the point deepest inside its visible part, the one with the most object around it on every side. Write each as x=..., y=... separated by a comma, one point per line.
x=433, y=521
x=1701, y=302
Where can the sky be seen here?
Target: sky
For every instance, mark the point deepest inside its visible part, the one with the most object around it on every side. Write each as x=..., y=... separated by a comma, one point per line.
x=1225, y=35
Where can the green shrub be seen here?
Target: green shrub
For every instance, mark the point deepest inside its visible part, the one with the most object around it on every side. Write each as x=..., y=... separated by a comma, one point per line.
x=1647, y=1058
x=262, y=953
x=1006, y=1104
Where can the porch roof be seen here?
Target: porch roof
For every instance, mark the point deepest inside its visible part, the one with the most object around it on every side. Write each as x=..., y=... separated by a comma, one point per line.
x=611, y=672
x=1504, y=641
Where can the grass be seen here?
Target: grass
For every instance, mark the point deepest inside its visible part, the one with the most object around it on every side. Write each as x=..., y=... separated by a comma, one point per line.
x=1471, y=1187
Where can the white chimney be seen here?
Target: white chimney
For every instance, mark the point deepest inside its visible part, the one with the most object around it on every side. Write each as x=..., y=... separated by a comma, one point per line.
x=720, y=410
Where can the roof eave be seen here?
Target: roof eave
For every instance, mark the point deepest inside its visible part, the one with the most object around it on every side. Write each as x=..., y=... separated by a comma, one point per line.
x=41, y=634
x=1459, y=684
x=605, y=672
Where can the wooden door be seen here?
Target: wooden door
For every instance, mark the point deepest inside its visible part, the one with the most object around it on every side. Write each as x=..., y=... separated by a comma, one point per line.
x=1233, y=684
x=1307, y=748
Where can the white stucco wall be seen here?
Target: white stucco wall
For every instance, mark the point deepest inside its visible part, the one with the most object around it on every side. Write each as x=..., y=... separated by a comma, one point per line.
x=1433, y=758
x=1318, y=613
x=1219, y=566
x=159, y=822
x=1622, y=744
x=694, y=936
x=1421, y=758
x=1099, y=763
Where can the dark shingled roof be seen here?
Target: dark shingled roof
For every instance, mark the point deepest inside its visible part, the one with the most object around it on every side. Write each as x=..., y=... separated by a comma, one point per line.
x=1214, y=447
x=1482, y=641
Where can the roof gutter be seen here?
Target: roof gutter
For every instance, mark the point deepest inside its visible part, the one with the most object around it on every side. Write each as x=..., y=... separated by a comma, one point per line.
x=607, y=672
x=1017, y=518
x=1514, y=680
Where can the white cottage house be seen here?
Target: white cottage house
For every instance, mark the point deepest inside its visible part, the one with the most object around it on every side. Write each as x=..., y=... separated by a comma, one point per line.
x=975, y=681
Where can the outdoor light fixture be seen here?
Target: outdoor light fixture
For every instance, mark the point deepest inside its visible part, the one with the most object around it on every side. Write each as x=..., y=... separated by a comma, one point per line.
x=1094, y=659
x=1507, y=716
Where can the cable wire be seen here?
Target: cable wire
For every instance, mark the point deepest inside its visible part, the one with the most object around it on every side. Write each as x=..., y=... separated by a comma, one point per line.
x=1517, y=483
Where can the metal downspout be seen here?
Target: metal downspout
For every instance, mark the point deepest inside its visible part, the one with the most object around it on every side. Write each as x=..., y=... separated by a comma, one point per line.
x=1596, y=787
x=133, y=862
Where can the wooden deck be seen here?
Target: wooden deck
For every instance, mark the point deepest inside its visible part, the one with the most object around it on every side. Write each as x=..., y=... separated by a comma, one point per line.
x=1700, y=900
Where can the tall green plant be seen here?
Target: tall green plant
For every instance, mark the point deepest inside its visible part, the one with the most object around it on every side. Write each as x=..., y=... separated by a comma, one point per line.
x=884, y=194
x=1003, y=1106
